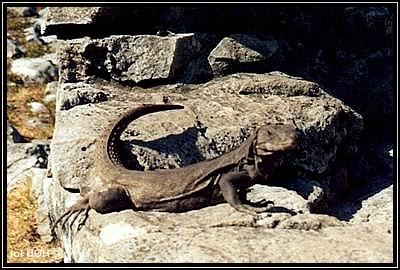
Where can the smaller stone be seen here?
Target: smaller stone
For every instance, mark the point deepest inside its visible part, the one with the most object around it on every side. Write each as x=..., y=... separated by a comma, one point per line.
x=236, y=51
x=50, y=93
x=34, y=122
x=38, y=70
x=13, y=49
x=37, y=107
x=49, y=98
x=32, y=35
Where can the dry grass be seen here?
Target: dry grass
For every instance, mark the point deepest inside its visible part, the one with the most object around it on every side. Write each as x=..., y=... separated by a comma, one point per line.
x=18, y=111
x=23, y=241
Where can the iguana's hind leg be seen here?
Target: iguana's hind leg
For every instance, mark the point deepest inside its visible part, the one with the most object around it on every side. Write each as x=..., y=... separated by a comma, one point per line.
x=110, y=200
x=229, y=183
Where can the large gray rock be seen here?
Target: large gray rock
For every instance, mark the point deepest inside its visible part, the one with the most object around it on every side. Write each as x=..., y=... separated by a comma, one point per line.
x=128, y=59
x=206, y=128
x=238, y=52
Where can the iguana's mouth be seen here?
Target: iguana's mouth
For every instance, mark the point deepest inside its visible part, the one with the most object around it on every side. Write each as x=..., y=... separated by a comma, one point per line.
x=267, y=148
x=263, y=152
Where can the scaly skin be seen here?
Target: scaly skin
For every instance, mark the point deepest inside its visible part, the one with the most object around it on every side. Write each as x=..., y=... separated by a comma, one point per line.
x=182, y=189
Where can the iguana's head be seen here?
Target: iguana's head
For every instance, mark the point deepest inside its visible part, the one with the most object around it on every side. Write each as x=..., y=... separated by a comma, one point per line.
x=275, y=138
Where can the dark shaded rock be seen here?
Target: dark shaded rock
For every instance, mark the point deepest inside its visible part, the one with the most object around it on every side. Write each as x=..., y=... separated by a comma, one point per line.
x=80, y=94
x=13, y=135
x=241, y=53
x=347, y=49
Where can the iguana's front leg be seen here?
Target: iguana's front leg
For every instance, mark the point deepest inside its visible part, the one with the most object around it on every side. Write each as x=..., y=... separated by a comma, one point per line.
x=229, y=183
x=110, y=200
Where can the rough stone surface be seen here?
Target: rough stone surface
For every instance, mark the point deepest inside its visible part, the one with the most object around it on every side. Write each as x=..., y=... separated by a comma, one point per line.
x=70, y=15
x=291, y=201
x=39, y=70
x=372, y=201
x=206, y=128
x=39, y=186
x=238, y=52
x=128, y=59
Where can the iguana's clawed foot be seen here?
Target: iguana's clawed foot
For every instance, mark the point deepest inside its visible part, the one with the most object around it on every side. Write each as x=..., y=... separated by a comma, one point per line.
x=78, y=208
x=86, y=215
x=253, y=210
x=261, y=203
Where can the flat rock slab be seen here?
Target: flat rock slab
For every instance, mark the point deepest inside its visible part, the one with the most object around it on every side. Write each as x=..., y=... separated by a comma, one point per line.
x=67, y=15
x=238, y=245
x=219, y=234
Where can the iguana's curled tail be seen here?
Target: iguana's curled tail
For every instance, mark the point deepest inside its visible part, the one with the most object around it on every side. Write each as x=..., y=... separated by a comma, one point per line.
x=108, y=146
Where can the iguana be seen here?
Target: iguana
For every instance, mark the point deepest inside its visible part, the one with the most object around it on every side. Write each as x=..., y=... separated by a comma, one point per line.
x=224, y=178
